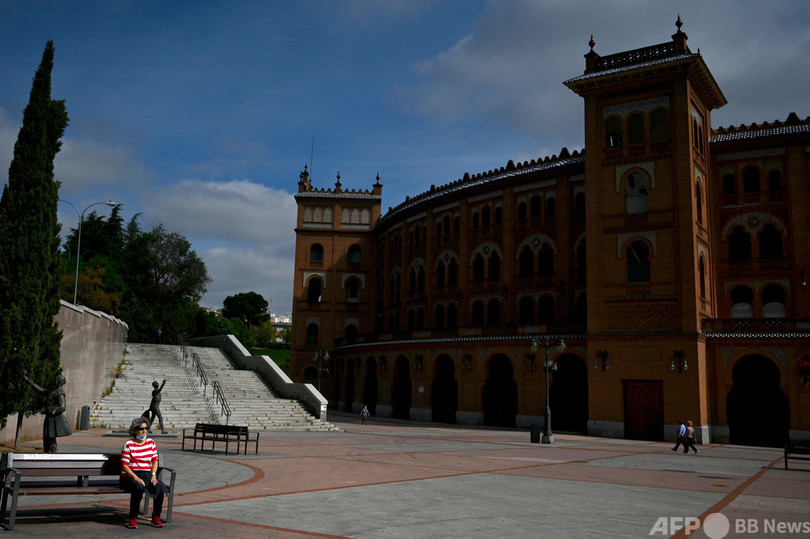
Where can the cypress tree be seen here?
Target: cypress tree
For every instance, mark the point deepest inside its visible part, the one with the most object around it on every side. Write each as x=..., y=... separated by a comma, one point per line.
x=29, y=261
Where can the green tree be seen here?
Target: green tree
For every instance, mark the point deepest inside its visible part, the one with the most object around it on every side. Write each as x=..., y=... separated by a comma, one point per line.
x=30, y=268
x=249, y=307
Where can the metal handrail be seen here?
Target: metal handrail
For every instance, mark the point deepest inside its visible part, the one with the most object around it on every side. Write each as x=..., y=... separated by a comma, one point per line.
x=199, y=368
x=220, y=398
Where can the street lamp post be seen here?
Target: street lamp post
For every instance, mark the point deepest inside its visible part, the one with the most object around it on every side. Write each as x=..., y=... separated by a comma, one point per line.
x=109, y=203
x=552, y=346
x=320, y=356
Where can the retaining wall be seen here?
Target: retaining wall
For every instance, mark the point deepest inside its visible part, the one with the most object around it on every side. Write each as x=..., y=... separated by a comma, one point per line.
x=92, y=347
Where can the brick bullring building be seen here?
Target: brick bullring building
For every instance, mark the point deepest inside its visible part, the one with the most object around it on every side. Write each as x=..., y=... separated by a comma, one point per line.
x=671, y=260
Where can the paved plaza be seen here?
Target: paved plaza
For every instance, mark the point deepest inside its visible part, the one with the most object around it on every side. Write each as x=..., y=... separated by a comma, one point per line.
x=400, y=479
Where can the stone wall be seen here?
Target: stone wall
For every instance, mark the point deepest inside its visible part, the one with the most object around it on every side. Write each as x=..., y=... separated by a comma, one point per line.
x=93, y=346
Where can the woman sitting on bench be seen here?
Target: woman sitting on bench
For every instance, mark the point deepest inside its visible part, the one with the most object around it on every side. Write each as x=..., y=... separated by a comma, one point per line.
x=139, y=464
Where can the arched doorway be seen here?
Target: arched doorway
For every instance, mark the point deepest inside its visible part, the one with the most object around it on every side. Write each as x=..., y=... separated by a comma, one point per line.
x=401, y=389
x=444, y=395
x=350, y=363
x=499, y=397
x=370, y=386
x=568, y=394
x=757, y=408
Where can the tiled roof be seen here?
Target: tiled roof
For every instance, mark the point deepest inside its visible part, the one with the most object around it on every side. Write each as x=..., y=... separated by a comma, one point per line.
x=791, y=126
x=489, y=177
x=331, y=194
x=629, y=67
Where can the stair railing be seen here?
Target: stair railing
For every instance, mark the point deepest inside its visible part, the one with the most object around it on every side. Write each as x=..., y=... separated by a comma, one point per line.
x=220, y=398
x=200, y=372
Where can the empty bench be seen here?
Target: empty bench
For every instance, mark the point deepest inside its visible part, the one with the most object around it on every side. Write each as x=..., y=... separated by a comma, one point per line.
x=230, y=434
x=65, y=474
x=794, y=448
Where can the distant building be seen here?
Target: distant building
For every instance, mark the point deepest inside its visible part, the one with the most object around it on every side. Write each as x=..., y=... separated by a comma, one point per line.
x=671, y=258
x=282, y=324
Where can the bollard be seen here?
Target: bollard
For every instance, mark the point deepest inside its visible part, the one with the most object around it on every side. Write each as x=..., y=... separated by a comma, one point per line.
x=84, y=419
x=536, y=433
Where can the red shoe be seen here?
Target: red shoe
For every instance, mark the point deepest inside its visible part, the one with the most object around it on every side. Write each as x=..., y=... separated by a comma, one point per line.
x=156, y=522
x=132, y=523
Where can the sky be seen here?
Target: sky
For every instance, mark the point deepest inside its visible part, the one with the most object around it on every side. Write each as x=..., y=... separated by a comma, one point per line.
x=201, y=115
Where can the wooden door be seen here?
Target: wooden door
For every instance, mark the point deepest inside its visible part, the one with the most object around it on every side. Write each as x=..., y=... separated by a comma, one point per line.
x=644, y=409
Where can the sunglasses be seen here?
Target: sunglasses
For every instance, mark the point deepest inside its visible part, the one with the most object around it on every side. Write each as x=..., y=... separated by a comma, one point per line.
x=142, y=428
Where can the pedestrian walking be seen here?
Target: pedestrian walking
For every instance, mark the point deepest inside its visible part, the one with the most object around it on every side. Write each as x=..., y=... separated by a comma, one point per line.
x=363, y=415
x=681, y=435
x=689, y=440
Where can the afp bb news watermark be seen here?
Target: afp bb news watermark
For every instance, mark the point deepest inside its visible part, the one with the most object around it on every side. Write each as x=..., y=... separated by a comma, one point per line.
x=717, y=526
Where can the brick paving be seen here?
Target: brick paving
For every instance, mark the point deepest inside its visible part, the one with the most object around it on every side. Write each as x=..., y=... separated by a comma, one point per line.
x=403, y=479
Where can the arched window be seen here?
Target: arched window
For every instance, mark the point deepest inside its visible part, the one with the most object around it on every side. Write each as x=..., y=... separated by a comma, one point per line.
x=440, y=274
x=494, y=312
x=439, y=315
x=579, y=203
x=420, y=279
x=452, y=316
x=545, y=258
x=551, y=207
x=729, y=184
x=352, y=290
x=475, y=221
x=526, y=262
x=582, y=263
x=751, y=180
x=535, y=207
x=739, y=245
x=351, y=332
x=478, y=313
x=659, y=126
x=316, y=253
x=545, y=306
x=522, y=211
x=698, y=203
x=420, y=318
x=498, y=215
x=412, y=280
x=770, y=243
x=446, y=222
x=774, y=181
x=411, y=319
x=452, y=273
x=742, y=302
x=494, y=266
x=486, y=216
x=312, y=333
x=638, y=263
x=702, y=277
x=773, y=302
x=314, y=287
x=478, y=268
x=354, y=255
x=613, y=133
x=636, y=194
x=635, y=129
x=526, y=310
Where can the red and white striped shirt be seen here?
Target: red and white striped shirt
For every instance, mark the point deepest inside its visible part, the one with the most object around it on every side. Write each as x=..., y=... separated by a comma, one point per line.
x=139, y=457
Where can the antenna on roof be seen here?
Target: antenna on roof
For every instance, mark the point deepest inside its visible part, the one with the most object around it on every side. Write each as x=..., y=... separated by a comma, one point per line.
x=311, y=155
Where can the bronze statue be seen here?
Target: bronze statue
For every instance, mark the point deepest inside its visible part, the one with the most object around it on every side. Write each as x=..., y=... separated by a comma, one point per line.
x=154, y=407
x=55, y=424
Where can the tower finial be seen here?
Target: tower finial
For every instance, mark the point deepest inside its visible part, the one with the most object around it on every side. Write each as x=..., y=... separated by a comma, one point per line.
x=592, y=43
x=679, y=22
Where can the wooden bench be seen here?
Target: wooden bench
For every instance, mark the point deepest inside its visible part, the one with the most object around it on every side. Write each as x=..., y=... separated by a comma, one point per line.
x=793, y=448
x=208, y=432
x=65, y=474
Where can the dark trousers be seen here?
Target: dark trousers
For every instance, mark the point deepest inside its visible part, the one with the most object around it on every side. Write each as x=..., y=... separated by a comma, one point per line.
x=678, y=443
x=689, y=442
x=137, y=491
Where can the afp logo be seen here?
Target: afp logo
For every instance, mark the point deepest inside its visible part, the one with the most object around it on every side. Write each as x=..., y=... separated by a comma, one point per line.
x=715, y=526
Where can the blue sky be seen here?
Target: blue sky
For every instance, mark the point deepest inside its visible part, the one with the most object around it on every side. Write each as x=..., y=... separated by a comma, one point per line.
x=201, y=115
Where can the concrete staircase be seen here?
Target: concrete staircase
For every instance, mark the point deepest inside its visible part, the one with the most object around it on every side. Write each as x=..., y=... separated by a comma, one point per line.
x=185, y=401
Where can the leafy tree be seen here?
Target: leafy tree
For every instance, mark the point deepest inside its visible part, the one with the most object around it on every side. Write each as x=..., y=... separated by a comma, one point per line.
x=249, y=307
x=30, y=267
